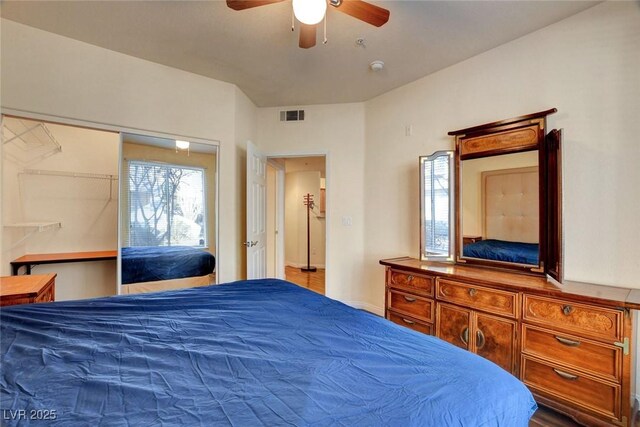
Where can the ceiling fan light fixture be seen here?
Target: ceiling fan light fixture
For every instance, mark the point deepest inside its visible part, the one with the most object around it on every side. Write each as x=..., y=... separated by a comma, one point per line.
x=309, y=12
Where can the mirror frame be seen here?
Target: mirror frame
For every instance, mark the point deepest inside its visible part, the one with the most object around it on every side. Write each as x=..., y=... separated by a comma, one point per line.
x=515, y=135
x=450, y=256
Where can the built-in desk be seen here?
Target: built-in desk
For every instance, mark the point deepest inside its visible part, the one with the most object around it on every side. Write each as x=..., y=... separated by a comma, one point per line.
x=29, y=260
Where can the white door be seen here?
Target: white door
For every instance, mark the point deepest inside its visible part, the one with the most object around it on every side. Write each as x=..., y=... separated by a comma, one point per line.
x=256, y=213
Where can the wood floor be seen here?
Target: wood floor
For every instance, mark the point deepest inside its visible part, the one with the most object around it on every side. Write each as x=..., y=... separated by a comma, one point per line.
x=547, y=418
x=312, y=281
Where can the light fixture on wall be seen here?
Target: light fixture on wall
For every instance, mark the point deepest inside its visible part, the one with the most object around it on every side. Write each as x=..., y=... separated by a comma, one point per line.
x=182, y=145
x=309, y=12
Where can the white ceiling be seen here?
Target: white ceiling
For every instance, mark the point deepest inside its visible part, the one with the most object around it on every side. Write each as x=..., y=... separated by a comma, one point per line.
x=256, y=50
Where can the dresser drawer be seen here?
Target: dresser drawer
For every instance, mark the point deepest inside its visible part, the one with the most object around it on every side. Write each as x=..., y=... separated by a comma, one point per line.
x=601, y=360
x=492, y=300
x=412, y=305
x=425, y=328
x=47, y=295
x=594, y=395
x=411, y=282
x=582, y=319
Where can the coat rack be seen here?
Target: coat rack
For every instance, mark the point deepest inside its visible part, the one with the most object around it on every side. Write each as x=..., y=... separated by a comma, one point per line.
x=307, y=200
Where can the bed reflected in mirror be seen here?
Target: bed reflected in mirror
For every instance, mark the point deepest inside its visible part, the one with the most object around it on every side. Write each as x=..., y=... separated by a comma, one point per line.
x=168, y=214
x=500, y=208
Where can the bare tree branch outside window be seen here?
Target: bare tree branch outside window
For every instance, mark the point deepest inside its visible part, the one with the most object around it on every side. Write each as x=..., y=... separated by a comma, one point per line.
x=167, y=205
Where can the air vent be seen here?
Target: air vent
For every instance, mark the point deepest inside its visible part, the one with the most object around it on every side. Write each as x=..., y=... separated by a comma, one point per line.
x=291, y=116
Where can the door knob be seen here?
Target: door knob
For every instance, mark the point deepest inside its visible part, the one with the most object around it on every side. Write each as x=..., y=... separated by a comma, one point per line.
x=250, y=243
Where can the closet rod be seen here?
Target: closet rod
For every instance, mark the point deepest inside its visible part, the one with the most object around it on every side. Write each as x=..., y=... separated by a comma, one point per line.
x=69, y=174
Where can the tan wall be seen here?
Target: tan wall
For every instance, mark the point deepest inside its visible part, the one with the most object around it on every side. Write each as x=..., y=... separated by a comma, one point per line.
x=297, y=184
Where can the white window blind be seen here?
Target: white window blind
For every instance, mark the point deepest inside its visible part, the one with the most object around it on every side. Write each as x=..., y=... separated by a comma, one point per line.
x=437, y=205
x=167, y=205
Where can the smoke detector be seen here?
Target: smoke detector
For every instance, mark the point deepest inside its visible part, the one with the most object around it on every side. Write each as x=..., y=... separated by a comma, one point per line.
x=376, y=65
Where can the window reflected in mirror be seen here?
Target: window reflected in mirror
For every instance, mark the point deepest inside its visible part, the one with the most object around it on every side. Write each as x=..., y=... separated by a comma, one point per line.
x=167, y=205
x=436, y=206
x=500, y=208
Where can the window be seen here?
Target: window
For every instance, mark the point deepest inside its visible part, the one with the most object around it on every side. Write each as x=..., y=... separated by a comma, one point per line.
x=167, y=205
x=436, y=205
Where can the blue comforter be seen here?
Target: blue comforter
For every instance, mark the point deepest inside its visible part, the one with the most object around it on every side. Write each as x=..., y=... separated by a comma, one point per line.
x=248, y=353
x=151, y=263
x=501, y=250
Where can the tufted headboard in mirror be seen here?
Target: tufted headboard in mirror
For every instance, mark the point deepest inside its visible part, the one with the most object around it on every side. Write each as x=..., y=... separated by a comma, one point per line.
x=510, y=209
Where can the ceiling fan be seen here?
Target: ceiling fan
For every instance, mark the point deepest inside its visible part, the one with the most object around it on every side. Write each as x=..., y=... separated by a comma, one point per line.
x=312, y=12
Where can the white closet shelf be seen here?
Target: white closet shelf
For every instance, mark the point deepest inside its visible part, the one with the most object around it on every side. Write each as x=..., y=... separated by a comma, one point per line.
x=39, y=226
x=69, y=174
x=28, y=141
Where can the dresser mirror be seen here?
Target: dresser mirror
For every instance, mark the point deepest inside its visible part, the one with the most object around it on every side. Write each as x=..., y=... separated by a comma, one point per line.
x=436, y=206
x=497, y=203
x=508, y=204
x=168, y=214
x=500, y=209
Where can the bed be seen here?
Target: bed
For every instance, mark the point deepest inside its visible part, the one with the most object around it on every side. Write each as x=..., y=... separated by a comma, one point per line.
x=261, y=352
x=157, y=268
x=502, y=250
x=510, y=217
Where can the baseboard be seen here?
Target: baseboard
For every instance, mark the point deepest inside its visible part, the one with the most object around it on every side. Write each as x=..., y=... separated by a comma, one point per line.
x=366, y=306
x=298, y=265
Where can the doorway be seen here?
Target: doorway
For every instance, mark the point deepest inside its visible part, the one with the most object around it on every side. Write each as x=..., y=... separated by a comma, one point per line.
x=296, y=220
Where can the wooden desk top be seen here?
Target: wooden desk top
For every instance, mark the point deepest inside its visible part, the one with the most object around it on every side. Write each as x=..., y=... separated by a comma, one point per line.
x=27, y=286
x=65, y=257
x=612, y=296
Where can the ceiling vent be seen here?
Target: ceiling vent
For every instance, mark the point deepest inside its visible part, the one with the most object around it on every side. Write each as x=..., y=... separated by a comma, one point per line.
x=292, y=116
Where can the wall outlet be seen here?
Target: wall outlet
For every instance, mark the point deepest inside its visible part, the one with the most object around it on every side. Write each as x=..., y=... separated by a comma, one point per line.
x=347, y=221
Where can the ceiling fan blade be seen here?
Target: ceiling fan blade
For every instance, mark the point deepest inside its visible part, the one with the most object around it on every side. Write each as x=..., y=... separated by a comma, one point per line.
x=248, y=4
x=364, y=11
x=307, y=36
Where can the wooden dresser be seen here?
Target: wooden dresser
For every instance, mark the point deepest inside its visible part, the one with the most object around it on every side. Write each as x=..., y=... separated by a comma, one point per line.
x=571, y=344
x=27, y=289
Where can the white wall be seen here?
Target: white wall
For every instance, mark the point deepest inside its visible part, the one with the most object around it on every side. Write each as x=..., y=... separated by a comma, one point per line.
x=297, y=185
x=53, y=75
x=86, y=207
x=338, y=132
x=586, y=66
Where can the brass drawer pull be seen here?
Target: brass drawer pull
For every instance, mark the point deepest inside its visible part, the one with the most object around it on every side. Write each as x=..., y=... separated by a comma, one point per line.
x=472, y=292
x=409, y=299
x=464, y=336
x=408, y=322
x=568, y=342
x=480, y=341
x=565, y=375
x=567, y=309
x=409, y=278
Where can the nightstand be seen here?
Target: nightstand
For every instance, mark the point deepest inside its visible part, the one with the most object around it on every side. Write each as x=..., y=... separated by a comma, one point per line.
x=470, y=239
x=27, y=289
